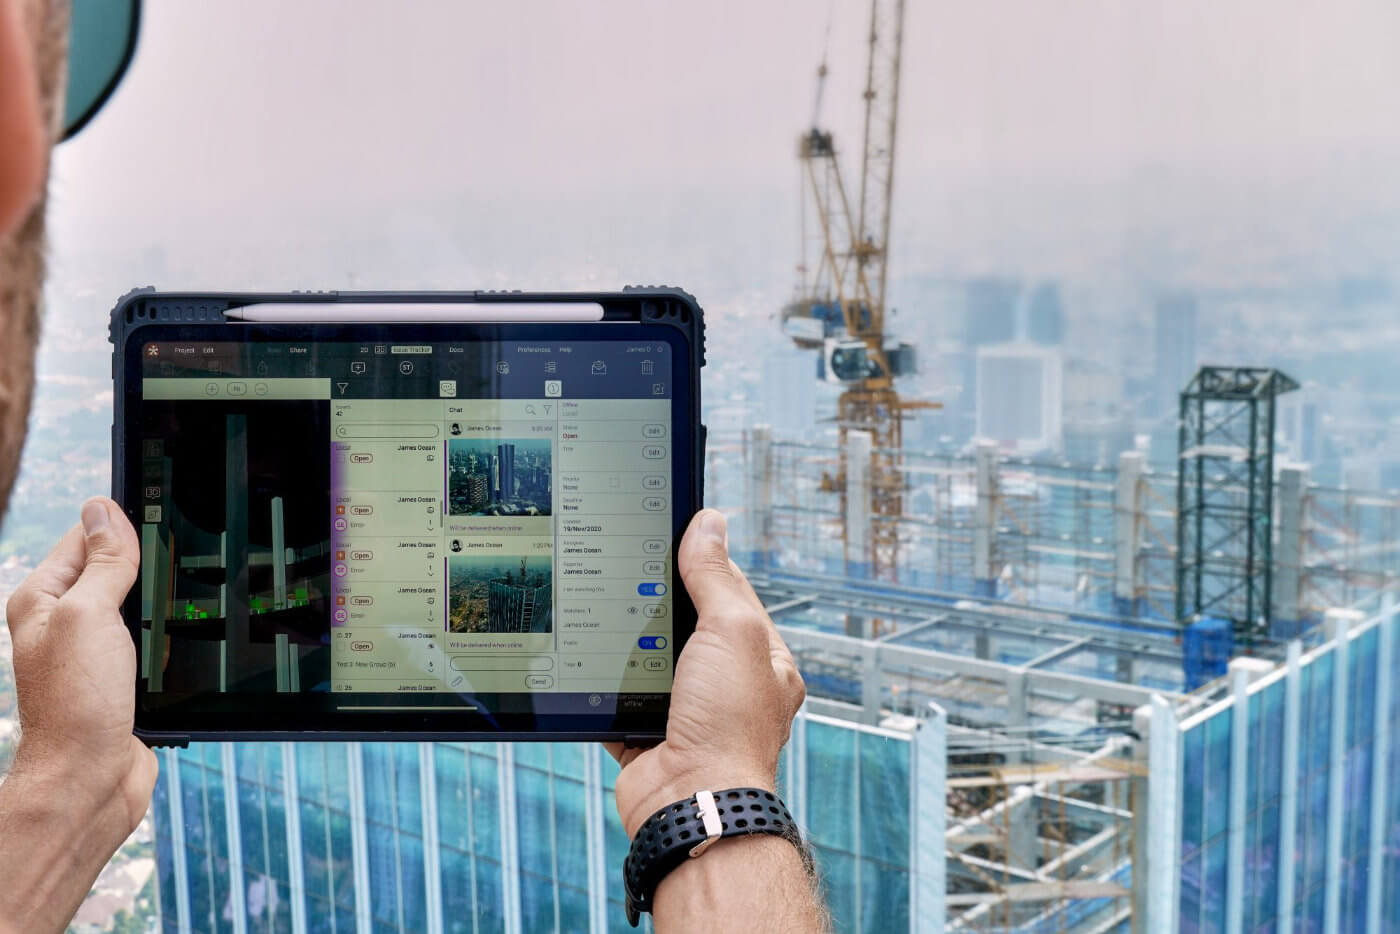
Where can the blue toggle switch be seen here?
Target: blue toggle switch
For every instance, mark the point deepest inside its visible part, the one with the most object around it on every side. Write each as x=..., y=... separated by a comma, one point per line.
x=652, y=590
x=652, y=642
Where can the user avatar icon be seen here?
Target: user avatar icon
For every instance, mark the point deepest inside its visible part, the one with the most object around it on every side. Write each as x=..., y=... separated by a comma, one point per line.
x=456, y=429
x=456, y=544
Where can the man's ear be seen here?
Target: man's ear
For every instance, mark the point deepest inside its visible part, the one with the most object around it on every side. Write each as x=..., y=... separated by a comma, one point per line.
x=22, y=136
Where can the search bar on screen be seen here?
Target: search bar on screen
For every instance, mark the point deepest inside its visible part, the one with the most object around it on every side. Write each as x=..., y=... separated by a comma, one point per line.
x=385, y=430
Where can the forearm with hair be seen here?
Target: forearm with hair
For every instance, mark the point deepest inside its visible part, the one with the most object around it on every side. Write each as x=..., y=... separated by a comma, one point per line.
x=53, y=843
x=752, y=883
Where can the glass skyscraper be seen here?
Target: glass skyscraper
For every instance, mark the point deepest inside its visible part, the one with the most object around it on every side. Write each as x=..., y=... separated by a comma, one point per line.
x=1290, y=794
x=470, y=839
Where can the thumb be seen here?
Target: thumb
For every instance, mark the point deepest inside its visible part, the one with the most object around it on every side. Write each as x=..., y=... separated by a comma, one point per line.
x=714, y=584
x=112, y=555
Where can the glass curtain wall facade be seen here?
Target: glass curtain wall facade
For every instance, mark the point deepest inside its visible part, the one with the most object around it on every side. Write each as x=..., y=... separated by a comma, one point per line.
x=1290, y=793
x=471, y=839
x=1283, y=797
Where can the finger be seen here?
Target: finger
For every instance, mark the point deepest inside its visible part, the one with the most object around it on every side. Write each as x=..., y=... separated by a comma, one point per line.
x=622, y=755
x=49, y=581
x=715, y=586
x=111, y=559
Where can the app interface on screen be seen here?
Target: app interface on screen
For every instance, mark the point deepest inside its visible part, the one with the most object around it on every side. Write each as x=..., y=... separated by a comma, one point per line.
x=463, y=518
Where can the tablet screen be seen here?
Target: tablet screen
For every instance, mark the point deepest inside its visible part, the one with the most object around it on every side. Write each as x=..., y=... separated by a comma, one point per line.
x=383, y=526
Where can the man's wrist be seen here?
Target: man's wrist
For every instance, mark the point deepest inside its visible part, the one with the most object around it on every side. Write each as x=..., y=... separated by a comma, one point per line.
x=57, y=836
x=756, y=882
x=644, y=802
x=79, y=790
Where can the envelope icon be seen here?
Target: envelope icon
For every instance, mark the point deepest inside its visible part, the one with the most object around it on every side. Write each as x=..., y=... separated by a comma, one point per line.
x=599, y=368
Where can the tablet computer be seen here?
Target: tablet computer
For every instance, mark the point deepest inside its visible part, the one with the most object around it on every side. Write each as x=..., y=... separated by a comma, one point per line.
x=407, y=516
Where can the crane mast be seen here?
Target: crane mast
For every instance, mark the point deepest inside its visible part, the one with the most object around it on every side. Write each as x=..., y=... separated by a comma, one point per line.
x=877, y=158
x=873, y=405
x=841, y=310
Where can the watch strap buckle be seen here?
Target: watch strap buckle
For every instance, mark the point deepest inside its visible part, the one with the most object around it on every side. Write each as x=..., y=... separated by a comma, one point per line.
x=708, y=813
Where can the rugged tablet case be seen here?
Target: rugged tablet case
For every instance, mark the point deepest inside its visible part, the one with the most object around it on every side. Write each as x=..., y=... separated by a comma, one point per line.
x=666, y=306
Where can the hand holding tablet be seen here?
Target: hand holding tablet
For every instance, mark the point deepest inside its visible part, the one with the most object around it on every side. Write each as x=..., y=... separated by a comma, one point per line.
x=735, y=694
x=361, y=517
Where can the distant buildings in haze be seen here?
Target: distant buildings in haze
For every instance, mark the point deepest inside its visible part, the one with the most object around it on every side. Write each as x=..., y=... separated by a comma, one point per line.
x=1020, y=396
x=1173, y=349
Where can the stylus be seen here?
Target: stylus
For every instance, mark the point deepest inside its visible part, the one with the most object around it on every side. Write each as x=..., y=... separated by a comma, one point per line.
x=377, y=312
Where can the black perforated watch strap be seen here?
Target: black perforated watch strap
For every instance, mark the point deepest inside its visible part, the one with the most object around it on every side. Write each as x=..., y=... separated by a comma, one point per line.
x=671, y=835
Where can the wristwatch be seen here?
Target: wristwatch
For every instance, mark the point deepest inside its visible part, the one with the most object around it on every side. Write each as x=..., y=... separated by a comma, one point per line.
x=687, y=828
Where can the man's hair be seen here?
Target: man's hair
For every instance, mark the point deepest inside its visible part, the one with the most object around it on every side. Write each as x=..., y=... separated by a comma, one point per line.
x=22, y=253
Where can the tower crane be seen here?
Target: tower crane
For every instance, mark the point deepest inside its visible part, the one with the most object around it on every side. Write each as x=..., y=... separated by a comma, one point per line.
x=840, y=309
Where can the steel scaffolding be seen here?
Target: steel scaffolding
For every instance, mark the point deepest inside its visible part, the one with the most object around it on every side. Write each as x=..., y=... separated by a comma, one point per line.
x=1033, y=608
x=1225, y=496
x=1044, y=532
x=1043, y=786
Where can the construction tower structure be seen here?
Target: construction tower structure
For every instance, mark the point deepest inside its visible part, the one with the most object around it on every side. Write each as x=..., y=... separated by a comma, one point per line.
x=1225, y=496
x=841, y=309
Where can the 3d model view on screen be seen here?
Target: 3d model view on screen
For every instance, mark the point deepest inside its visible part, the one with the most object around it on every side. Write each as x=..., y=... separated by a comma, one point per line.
x=239, y=515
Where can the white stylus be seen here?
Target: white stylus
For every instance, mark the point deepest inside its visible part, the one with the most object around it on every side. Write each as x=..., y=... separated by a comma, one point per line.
x=415, y=312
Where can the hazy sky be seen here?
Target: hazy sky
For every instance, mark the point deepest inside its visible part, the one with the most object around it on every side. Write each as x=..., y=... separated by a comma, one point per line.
x=597, y=126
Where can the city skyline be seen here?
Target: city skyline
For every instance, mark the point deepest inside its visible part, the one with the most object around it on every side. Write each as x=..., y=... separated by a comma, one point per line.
x=494, y=477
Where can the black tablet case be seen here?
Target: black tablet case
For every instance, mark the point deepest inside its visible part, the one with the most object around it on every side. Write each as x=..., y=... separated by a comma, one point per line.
x=662, y=306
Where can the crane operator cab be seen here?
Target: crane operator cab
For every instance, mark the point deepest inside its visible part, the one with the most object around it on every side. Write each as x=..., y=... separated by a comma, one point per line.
x=849, y=360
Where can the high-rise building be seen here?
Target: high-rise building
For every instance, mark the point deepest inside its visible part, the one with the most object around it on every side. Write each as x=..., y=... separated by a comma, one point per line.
x=519, y=604
x=1298, y=424
x=1045, y=316
x=454, y=838
x=1020, y=393
x=991, y=311
x=989, y=317
x=477, y=494
x=1308, y=445
x=505, y=458
x=1173, y=349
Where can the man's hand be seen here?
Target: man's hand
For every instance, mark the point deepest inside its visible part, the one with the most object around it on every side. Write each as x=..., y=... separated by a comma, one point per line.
x=81, y=781
x=732, y=702
x=735, y=692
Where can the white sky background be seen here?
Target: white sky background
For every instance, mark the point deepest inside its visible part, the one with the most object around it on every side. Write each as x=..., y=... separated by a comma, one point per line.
x=653, y=139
